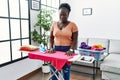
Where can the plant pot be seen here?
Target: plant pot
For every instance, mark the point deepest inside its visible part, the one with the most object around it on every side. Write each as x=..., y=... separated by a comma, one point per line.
x=45, y=68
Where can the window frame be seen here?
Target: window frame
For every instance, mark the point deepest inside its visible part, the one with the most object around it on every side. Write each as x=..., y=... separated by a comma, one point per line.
x=29, y=37
x=19, y=38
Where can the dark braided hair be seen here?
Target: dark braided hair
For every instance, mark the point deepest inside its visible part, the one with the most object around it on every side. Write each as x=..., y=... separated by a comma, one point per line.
x=65, y=5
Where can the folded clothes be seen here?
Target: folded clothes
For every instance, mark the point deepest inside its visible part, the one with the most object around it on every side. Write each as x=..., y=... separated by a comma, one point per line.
x=84, y=46
x=98, y=47
x=28, y=48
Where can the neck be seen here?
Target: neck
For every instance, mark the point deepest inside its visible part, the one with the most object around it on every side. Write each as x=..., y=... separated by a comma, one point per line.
x=63, y=22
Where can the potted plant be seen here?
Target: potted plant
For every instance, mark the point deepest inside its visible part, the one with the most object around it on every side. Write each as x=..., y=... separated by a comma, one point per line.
x=43, y=24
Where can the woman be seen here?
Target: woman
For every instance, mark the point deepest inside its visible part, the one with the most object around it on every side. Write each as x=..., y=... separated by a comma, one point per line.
x=63, y=37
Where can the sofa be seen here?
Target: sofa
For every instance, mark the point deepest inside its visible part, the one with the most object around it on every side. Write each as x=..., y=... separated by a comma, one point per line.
x=109, y=65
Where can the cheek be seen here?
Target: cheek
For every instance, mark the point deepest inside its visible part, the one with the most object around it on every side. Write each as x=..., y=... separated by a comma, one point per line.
x=63, y=17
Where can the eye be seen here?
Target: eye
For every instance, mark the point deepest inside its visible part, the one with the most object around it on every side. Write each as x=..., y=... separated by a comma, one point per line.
x=63, y=15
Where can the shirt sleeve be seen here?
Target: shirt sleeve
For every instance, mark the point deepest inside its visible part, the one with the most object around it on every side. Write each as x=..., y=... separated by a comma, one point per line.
x=52, y=26
x=74, y=28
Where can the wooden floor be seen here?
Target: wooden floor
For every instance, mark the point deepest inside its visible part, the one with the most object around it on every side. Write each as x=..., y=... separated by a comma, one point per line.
x=74, y=76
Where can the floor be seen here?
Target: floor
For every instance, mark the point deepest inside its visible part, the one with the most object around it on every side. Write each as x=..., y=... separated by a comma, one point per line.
x=74, y=76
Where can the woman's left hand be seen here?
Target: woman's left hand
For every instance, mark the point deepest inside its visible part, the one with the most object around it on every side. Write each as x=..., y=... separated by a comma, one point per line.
x=69, y=53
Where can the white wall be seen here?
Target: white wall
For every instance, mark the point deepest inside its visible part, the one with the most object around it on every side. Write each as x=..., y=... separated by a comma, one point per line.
x=23, y=67
x=104, y=21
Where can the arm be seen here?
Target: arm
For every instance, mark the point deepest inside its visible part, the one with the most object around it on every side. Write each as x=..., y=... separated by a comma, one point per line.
x=74, y=40
x=51, y=42
x=74, y=43
x=51, y=39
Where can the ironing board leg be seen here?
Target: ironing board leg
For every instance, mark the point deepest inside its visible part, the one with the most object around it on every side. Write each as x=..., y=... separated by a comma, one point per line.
x=59, y=76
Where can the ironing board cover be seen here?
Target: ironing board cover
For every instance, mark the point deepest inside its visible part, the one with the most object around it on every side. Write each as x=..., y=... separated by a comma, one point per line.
x=57, y=59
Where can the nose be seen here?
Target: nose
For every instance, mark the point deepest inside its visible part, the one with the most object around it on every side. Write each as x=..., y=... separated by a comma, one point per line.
x=63, y=17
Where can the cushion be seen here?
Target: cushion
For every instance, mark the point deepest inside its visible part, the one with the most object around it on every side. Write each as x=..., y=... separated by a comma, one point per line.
x=111, y=63
x=110, y=76
x=28, y=48
x=114, y=46
x=114, y=52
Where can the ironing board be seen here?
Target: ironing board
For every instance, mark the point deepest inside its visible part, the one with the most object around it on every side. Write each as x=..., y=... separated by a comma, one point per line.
x=57, y=59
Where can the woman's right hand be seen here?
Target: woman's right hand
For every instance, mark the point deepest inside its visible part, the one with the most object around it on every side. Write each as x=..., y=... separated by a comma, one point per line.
x=51, y=50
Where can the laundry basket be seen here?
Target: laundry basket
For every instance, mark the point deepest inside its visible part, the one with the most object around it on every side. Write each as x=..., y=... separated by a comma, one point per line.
x=95, y=53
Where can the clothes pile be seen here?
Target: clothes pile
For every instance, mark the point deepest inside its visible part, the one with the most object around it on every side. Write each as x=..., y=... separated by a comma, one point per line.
x=84, y=45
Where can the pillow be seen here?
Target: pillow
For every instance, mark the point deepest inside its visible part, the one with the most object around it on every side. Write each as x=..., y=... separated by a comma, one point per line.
x=28, y=48
x=114, y=52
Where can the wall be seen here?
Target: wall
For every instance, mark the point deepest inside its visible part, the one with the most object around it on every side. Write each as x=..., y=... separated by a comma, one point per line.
x=23, y=67
x=104, y=21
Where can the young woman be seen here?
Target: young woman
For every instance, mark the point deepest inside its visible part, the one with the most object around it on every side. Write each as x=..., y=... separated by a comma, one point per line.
x=63, y=37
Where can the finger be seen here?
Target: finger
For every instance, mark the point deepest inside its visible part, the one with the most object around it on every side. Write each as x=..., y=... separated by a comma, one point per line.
x=70, y=54
x=66, y=53
x=50, y=51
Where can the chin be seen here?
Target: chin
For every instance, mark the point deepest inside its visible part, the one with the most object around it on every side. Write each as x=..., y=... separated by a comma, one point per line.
x=64, y=21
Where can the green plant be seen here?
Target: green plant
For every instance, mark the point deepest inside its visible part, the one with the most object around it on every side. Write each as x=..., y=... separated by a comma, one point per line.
x=44, y=22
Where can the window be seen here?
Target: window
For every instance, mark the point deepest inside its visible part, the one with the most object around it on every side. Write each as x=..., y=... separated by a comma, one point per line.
x=14, y=29
x=51, y=5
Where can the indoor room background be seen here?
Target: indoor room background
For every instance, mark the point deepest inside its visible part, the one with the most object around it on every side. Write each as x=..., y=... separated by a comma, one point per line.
x=100, y=20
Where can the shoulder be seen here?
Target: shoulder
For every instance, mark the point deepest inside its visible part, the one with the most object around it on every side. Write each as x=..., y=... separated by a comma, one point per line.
x=74, y=27
x=73, y=23
x=54, y=24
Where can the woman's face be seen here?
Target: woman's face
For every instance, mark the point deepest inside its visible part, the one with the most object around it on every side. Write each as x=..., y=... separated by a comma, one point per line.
x=63, y=15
